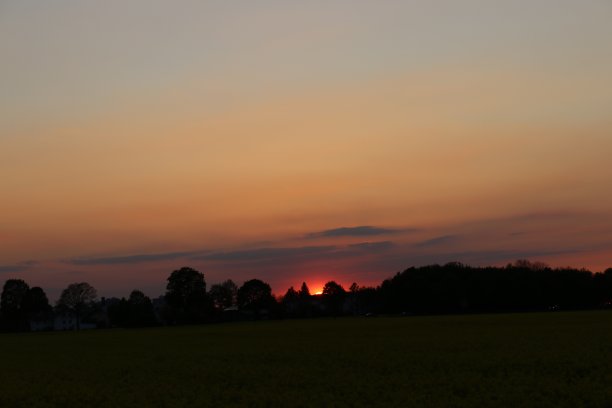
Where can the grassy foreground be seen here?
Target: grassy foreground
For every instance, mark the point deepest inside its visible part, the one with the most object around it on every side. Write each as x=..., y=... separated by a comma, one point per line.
x=540, y=360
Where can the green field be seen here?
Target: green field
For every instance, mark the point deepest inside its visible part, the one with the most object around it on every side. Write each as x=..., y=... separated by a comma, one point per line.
x=540, y=360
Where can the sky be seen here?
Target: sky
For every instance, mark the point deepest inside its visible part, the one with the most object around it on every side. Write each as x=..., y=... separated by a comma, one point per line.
x=300, y=141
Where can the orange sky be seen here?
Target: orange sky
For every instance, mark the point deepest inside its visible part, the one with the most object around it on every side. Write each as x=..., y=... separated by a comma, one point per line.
x=260, y=141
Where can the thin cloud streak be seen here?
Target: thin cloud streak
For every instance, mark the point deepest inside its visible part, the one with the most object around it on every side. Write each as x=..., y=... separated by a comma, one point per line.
x=13, y=268
x=297, y=253
x=266, y=253
x=360, y=231
x=536, y=217
x=19, y=267
x=372, y=246
x=436, y=241
x=133, y=259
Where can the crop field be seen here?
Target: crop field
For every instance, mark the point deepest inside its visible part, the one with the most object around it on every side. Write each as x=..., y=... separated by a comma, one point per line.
x=560, y=359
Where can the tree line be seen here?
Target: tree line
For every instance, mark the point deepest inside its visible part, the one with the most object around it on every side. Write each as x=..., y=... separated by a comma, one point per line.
x=449, y=288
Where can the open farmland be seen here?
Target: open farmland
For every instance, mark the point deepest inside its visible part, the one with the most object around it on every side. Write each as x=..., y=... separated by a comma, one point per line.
x=549, y=359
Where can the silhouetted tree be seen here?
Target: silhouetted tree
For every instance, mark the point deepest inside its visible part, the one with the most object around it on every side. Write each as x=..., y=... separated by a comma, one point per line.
x=333, y=296
x=291, y=302
x=36, y=305
x=529, y=265
x=224, y=295
x=603, y=285
x=304, y=291
x=118, y=312
x=354, y=298
x=305, y=306
x=186, y=295
x=76, y=298
x=255, y=296
x=140, y=310
x=368, y=300
x=14, y=316
x=332, y=288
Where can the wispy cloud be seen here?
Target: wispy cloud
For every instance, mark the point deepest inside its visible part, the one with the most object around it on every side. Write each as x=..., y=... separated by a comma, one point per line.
x=22, y=266
x=266, y=253
x=372, y=246
x=441, y=240
x=12, y=268
x=548, y=215
x=536, y=218
x=360, y=231
x=133, y=259
x=296, y=253
x=273, y=254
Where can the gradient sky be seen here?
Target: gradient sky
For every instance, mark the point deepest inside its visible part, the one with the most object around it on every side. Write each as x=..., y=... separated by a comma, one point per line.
x=300, y=141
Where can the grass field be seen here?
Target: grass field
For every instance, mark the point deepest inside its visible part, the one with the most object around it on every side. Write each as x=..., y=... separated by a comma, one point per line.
x=518, y=360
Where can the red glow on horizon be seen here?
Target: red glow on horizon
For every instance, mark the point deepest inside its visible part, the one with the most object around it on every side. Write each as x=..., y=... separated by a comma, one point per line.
x=316, y=289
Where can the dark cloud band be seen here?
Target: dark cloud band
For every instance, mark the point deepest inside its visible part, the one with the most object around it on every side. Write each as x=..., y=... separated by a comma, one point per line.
x=361, y=231
x=266, y=253
x=19, y=267
x=132, y=259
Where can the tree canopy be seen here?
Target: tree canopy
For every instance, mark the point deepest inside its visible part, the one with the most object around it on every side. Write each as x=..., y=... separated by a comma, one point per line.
x=224, y=295
x=255, y=295
x=136, y=311
x=36, y=304
x=14, y=315
x=75, y=298
x=186, y=295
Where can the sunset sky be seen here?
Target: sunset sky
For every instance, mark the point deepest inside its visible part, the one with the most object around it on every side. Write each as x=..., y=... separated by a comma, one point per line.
x=300, y=140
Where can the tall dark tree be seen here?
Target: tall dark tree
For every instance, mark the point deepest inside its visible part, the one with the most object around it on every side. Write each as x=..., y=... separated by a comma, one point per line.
x=36, y=304
x=14, y=317
x=305, y=307
x=140, y=310
x=368, y=300
x=256, y=296
x=291, y=302
x=186, y=295
x=603, y=284
x=76, y=298
x=224, y=295
x=332, y=288
x=333, y=296
x=354, y=298
x=304, y=291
